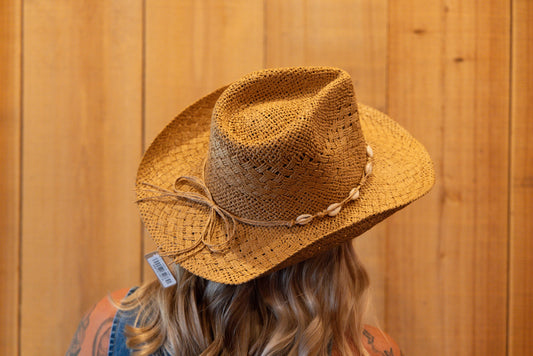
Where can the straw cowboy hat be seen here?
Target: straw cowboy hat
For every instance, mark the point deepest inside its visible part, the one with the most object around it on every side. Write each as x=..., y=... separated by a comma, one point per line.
x=271, y=170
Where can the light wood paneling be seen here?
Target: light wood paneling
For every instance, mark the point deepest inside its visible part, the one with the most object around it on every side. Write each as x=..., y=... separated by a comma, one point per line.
x=82, y=142
x=448, y=85
x=350, y=35
x=193, y=48
x=443, y=282
x=415, y=100
x=521, y=217
x=10, y=71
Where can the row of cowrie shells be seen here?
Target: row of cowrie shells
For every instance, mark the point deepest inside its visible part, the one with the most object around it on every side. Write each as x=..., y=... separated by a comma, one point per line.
x=335, y=208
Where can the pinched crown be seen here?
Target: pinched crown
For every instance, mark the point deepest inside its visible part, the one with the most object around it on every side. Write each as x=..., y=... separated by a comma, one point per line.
x=285, y=143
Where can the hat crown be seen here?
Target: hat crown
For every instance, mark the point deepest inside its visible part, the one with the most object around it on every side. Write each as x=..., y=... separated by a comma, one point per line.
x=285, y=142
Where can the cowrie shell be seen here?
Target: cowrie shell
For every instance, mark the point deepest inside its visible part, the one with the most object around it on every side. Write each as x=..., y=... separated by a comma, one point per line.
x=368, y=168
x=354, y=194
x=334, y=209
x=304, y=219
x=369, y=152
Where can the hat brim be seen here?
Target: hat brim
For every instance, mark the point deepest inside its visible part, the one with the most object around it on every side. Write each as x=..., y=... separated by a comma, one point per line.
x=402, y=173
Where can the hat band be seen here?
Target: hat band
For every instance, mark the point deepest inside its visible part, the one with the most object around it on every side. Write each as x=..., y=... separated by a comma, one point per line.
x=204, y=197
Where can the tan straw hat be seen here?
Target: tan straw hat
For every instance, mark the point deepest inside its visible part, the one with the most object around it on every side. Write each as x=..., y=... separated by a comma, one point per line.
x=271, y=170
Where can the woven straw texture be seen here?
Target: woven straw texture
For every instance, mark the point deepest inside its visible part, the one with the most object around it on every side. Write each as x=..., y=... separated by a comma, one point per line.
x=272, y=146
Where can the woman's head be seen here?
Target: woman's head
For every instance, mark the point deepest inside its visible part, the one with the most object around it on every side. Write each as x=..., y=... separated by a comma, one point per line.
x=249, y=181
x=298, y=310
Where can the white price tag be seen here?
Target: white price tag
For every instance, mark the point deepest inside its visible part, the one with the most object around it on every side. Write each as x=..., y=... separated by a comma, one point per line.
x=160, y=269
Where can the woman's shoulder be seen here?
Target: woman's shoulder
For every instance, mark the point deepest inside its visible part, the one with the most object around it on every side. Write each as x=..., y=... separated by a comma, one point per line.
x=377, y=342
x=92, y=335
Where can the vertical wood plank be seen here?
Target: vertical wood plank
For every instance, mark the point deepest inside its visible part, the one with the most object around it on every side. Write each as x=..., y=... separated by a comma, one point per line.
x=10, y=79
x=82, y=143
x=448, y=85
x=415, y=100
x=521, y=222
x=352, y=35
x=192, y=48
x=349, y=34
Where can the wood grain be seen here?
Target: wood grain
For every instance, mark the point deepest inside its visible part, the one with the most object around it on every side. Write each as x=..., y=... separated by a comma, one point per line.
x=448, y=82
x=414, y=97
x=193, y=48
x=82, y=142
x=85, y=104
x=10, y=175
x=521, y=196
x=350, y=35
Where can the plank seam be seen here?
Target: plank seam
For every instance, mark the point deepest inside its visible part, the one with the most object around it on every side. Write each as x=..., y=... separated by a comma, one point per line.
x=264, y=59
x=143, y=122
x=386, y=237
x=509, y=180
x=21, y=178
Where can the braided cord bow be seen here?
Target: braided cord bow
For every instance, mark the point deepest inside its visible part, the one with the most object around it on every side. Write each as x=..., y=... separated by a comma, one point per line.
x=204, y=197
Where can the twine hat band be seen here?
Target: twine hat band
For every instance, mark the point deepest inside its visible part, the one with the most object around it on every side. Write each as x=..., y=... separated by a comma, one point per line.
x=204, y=197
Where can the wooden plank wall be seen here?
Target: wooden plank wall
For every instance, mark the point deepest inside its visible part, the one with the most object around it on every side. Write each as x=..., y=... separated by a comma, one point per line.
x=82, y=137
x=86, y=86
x=521, y=182
x=449, y=85
x=10, y=174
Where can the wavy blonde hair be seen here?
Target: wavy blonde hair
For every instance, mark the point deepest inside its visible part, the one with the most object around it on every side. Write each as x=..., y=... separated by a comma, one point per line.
x=299, y=310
